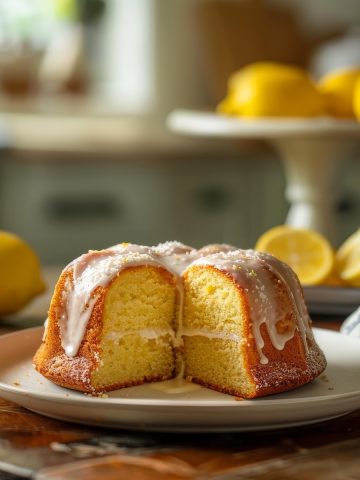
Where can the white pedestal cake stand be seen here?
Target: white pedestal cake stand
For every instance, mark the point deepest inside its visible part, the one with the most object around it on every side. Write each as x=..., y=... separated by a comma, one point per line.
x=311, y=150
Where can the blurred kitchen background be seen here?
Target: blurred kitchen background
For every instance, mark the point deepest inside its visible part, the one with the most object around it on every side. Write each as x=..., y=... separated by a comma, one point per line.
x=85, y=88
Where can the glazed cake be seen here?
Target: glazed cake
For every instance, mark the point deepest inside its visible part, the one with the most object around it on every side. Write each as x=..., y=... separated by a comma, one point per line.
x=229, y=319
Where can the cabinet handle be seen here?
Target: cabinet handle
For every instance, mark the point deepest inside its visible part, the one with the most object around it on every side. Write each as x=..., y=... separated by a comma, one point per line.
x=91, y=207
x=212, y=198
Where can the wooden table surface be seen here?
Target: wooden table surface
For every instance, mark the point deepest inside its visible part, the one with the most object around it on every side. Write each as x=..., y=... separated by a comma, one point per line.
x=38, y=447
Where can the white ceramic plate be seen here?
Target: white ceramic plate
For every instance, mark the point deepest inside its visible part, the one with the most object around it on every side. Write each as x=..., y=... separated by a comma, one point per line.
x=199, y=409
x=332, y=300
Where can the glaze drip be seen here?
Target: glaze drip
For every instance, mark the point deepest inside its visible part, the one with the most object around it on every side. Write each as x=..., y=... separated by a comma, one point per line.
x=251, y=270
x=257, y=273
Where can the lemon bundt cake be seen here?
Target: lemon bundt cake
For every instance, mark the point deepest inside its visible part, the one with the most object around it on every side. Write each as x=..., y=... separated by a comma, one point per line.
x=229, y=319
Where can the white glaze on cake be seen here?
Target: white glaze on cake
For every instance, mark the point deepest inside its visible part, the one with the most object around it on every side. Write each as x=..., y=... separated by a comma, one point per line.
x=97, y=269
x=250, y=270
x=203, y=332
x=147, y=333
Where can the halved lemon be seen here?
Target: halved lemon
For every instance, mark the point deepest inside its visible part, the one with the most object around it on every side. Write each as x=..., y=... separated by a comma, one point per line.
x=348, y=260
x=307, y=252
x=333, y=280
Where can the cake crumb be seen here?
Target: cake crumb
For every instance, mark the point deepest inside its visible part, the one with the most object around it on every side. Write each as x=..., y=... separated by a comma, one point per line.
x=17, y=384
x=96, y=394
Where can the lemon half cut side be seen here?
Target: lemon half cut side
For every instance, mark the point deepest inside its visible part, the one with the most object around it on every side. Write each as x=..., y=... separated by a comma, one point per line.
x=307, y=252
x=348, y=260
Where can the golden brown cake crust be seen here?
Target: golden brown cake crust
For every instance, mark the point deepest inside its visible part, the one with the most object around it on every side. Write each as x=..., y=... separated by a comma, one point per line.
x=290, y=367
x=50, y=359
x=75, y=372
x=286, y=369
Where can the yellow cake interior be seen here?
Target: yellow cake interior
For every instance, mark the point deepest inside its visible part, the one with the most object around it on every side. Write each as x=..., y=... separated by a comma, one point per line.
x=138, y=322
x=213, y=321
x=234, y=321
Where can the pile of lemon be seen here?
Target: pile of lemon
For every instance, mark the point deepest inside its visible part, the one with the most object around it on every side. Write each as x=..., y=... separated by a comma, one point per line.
x=312, y=257
x=20, y=273
x=268, y=89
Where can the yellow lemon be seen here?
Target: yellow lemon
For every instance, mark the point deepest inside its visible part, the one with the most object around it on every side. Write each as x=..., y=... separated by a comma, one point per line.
x=20, y=276
x=333, y=279
x=356, y=99
x=339, y=88
x=307, y=252
x=348, y=260
x=269, y=89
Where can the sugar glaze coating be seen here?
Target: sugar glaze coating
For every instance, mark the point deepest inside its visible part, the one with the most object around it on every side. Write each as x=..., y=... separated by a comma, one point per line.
x=252, y=271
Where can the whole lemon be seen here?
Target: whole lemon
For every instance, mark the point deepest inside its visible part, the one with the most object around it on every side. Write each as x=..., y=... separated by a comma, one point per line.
x=268, y=89
x=339, y=87
x=20, y=276
x=356, y=98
